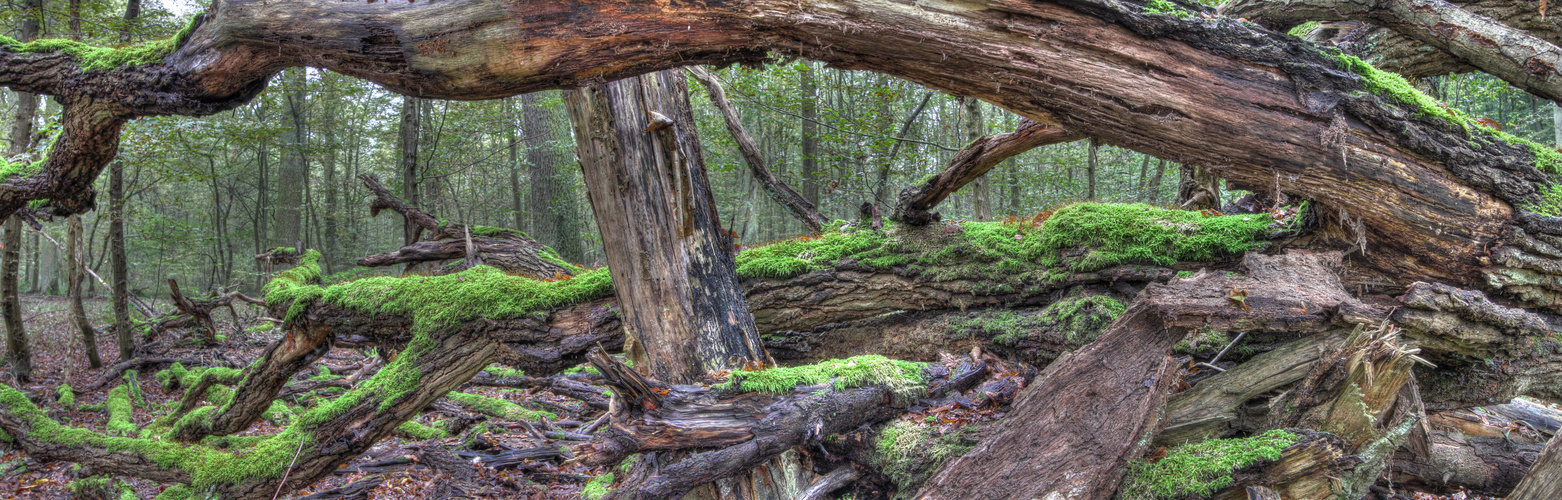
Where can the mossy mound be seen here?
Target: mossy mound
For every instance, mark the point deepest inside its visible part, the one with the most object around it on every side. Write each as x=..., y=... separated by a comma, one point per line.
x=1082, y=237
x=909, y=452
x=1071, y=321
x=901, y=376
x=1200, y=469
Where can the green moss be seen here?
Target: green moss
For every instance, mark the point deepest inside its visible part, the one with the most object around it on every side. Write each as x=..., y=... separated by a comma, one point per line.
x=1077, y=319
x=1304, y=29
x=910, y=452
x=1393, y=85
x=121, y=417
x=91, y=57
x=498, y=408
x=901, y=376
x=504, y=372
x=435, y=302
x=599, y=487
x=9, y=169
x=176, y=492
x=1166, y=7
x=66, y=396
x=1201, y=469
x=298, y=286
x=421, y=432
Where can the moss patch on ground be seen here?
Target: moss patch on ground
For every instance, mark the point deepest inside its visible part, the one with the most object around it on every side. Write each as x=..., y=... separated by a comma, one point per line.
x=1075, y=320
x=1200, y=469
x=599, y=487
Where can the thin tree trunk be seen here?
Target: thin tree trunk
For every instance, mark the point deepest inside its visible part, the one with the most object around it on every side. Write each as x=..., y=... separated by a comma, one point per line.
x=517, y=208
x=1155, y=182
x=73, y=252
x=408, y=144
x=881, y=190
x=116, y=234
x=810, y=128
x=295, y=169
x=975, y=129
x=18, y=354
x=544, y=168
x=672, y=268
x=1091, y=165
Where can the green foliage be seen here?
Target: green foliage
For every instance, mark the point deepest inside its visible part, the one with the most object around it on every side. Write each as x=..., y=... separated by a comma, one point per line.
x=903, y=377
x=1166, y=7
x=504, y=372
x=9, y=169
x=599, y=487
x=91, y=57
x=498, y=408
x=910, y=452
x=1201, y=469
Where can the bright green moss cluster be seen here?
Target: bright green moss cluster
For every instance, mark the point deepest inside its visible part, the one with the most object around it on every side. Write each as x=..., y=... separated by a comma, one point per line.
x=909, y=452
x=1304, y=29
x=91, y=57
x=121, y=421
x=495, y=231
x=999, y=254
x=66, y=396
x=504, y=372
x=1078, y=319
x=421, y=432
x=1166, y=7
x=1201, y=469
x=1397, y=87
x=480, y=292
x=498, y=408
x=858, y=371
x=297, y=286
x=599, y=487
x=9, y=169
x=1136, y=233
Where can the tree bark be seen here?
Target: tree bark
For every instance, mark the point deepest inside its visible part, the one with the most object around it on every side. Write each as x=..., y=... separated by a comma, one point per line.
x=294, y=174
x=809, y=104
x=672, y=268
x=17, y=351
x=543, y=156
x=1545, y=478
x=408, y=146
x=78, y=315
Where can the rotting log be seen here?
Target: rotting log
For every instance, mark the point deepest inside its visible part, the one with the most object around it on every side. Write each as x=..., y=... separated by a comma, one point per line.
x=1049, y=446
x=743, y=428
x=1544, y=479
x=1480, y=450
x=973, y=161
x=506, y=249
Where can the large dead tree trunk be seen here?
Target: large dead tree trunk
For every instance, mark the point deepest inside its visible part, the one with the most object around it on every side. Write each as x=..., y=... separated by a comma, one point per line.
x=672, y=266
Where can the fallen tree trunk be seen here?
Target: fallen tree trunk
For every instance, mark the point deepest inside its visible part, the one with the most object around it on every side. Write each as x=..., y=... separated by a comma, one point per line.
x=971, y=163
x=506, y=249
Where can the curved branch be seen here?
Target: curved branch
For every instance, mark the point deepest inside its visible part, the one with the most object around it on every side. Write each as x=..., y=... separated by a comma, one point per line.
x=971, y=163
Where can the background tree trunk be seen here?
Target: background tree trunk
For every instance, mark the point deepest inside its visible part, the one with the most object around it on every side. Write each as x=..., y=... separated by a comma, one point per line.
x=975, y=129
x=16, y=348
x=73, y=253
x=808, y=179
x=408, y=141
x=116, y=233
x=295, y=168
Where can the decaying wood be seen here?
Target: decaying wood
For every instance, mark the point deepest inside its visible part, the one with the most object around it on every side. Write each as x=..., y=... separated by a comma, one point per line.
x=1486, y=353
x=1481, y=450
x=779, y=191
x=508, y=250
x=971, y=163
x=1544, y=480
x=671, y=262
x=745, y=429
x=199, y=311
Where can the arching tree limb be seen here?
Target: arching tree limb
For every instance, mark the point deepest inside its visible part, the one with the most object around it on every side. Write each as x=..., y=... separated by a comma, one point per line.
x=970, y=163
x=779, y=191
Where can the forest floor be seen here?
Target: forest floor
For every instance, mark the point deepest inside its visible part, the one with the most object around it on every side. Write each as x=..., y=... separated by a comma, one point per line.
x=58, y=357
x=401, y=463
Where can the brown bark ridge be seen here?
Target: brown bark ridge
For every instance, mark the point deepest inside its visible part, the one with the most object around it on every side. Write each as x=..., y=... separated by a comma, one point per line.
x=1216, y=79
x=972, y=162
x=506, y=249
x=1545, y=478
x=1050, y=443
x=779, y=191
x=672, y=269
x=1527, y=60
